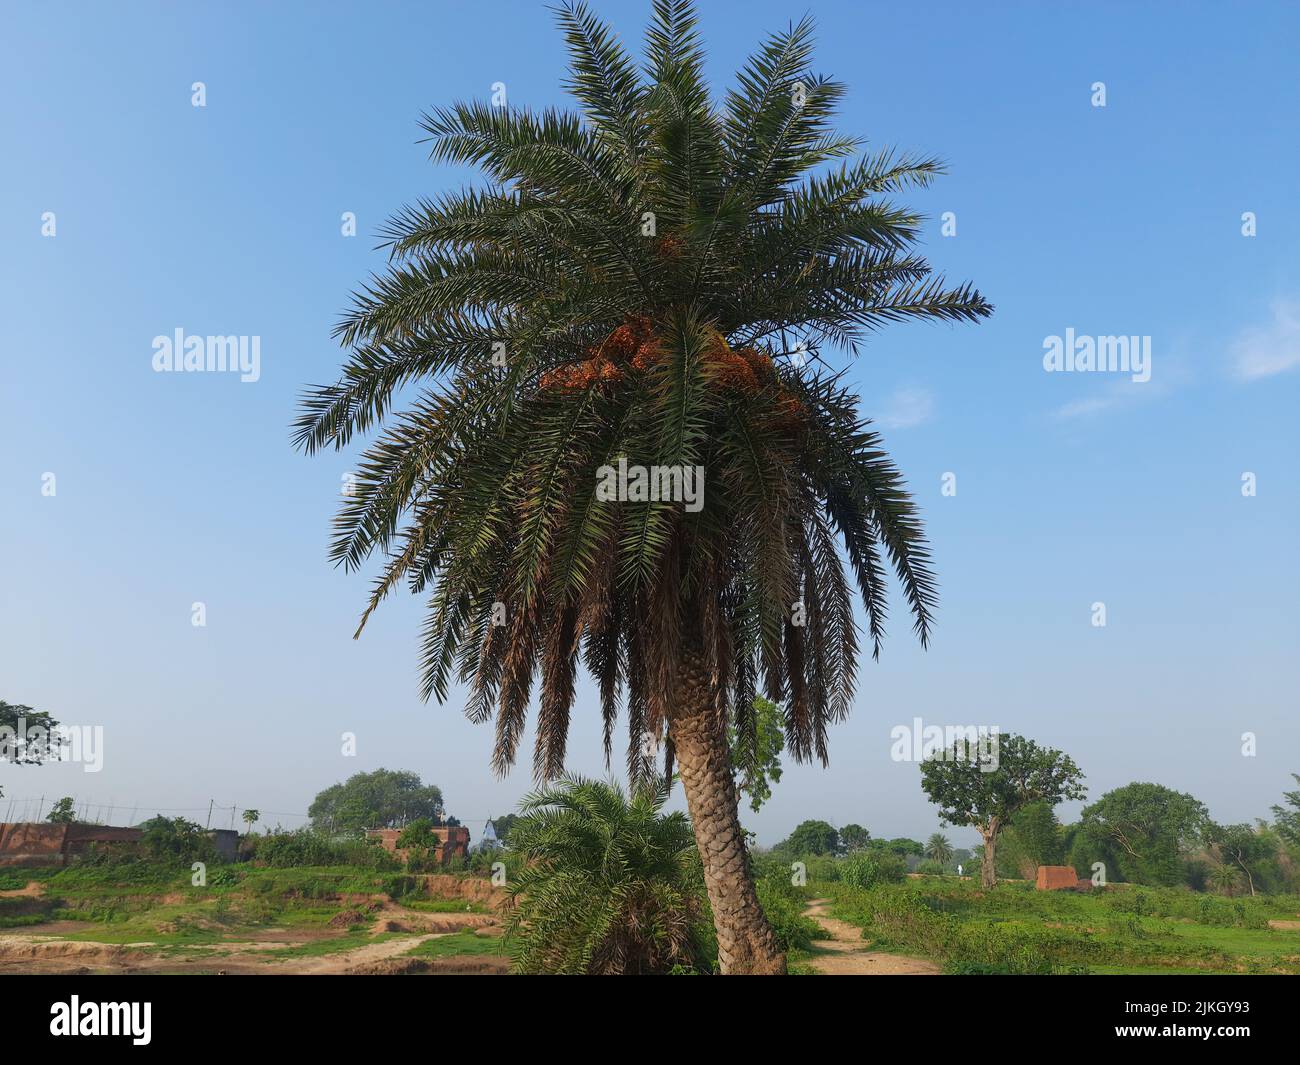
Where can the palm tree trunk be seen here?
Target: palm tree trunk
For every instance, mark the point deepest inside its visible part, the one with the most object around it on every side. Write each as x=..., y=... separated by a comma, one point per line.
x=745, y=941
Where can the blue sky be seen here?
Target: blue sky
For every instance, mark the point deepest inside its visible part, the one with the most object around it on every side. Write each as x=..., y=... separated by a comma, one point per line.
x=1071, y=488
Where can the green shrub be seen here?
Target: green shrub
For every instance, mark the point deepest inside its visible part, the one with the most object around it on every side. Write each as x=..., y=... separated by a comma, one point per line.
x=12, y=881
x=607, y=884
x=286, y=850
x=225, y=877
x=177, y=839
x=819, y=867
x=784, y=906
x=870, y=868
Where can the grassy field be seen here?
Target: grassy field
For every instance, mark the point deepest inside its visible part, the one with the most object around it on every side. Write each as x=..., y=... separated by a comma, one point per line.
x=1122, y=929
x=258, y=915
x=262, y=917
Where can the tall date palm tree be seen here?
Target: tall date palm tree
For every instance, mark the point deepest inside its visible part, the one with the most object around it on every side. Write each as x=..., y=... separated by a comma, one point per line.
x=646, y=285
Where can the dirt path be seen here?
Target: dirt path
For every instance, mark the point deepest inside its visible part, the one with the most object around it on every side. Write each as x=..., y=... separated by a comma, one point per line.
x=34, y=890
x=844, y=952
x=350, y=961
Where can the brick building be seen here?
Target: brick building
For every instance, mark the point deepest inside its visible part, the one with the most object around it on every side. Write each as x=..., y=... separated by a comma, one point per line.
x=453, y=841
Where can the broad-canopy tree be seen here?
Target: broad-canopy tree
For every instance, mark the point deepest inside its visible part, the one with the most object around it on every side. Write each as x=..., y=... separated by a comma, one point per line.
x=901, y=846
x=1287, y=818
x=811, y=837
x=25, y=735
x=650, y=285
x=1140, y=831
x=385, y=798
x=854, y=838
x=987, y=788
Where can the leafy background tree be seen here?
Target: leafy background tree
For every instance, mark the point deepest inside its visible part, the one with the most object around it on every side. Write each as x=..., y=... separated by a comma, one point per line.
x=666, y=276
x=250, y=818
x=1141, y=832
x=854, y=838
x=1287, y=818
x=1248, y=849
x=811, y=837
x=63, y=812
x=1025, y=773
x=13, y=748
x=504, y=825
x=756, y=754
x=1033, y=837
x=900, y=846
x=384, y=798
x=176, y=839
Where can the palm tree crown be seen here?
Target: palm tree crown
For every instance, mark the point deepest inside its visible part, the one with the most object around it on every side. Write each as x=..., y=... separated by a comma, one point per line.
x=938, y=849
x=652, y=279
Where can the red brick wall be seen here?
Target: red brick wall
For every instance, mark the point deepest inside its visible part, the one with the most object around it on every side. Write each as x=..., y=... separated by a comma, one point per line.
x=41, y=843
x=32, y=844
x=1056, y=877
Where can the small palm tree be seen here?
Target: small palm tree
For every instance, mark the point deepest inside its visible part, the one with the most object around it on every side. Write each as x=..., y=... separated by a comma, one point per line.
x=627, y=451
x=606, y=884
x=250, y=818
x=1225, y=879
x=938, y=849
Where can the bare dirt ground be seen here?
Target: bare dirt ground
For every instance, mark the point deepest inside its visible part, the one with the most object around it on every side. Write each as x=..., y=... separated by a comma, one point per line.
x=844, y=952
x=40, y=949
x=31, y=891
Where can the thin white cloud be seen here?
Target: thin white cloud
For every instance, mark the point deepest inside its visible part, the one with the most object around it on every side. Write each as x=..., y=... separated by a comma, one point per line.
x=908, y=407
x=1081, y=408
x=1169, y=373
x=1273, y=349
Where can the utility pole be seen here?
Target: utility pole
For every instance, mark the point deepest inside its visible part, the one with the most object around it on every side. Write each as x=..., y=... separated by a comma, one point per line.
x=209, y=821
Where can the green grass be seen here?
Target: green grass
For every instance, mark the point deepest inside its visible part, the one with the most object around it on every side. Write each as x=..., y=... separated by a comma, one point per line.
x=316, y=948
x=456, y=945
x=1014, y=929
x=445, y=906
x=142, y=901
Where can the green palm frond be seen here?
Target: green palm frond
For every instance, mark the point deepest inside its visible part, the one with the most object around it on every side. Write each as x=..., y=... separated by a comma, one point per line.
x=605, y=883
x=658, y=343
